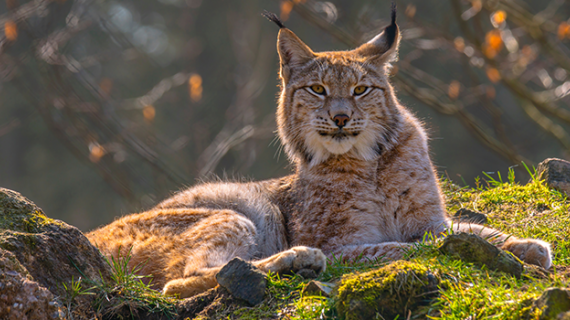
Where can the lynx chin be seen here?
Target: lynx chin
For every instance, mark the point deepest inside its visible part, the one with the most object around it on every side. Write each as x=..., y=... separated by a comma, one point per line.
x=363, y=183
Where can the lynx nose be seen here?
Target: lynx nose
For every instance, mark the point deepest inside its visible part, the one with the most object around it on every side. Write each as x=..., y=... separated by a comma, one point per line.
x=340, y=120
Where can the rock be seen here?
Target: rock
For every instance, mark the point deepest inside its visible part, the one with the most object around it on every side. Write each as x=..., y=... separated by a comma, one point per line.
x=190, y=307
x=307, y=273
x=472, y=248
x=206, y=304
x=553, y=303
x=385, y=293
x=21, y=298
x=243, y=280
x=466, y=215
x=51, y=251
x=318, y=288
x=556, y=174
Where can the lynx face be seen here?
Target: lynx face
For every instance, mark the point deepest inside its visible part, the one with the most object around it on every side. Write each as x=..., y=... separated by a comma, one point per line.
x=335, y=103
x=339, y=108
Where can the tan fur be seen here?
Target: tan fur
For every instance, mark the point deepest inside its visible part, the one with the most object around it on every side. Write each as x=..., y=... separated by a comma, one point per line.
x=368, y=190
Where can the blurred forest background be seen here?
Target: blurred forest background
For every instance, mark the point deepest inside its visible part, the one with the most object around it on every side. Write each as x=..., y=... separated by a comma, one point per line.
x=107, y=107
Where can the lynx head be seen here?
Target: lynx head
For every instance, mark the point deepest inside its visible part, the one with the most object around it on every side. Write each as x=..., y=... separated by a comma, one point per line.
x=337, y=103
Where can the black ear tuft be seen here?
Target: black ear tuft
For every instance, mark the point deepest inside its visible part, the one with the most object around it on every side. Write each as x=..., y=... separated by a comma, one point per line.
x=272, y=17
x=391, y=31
x=393, y=12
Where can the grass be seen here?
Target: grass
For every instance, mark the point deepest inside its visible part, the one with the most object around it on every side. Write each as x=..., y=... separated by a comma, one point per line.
x=125, y=296
x=466, y=291
x=127, y=293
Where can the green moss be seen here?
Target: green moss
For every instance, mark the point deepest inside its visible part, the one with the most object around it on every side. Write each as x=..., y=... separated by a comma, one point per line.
x=13, y=240
x=389, y=291
x=20, y=214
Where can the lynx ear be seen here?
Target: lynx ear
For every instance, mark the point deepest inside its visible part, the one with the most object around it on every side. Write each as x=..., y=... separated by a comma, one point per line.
x=292, y=52
x=384, y=47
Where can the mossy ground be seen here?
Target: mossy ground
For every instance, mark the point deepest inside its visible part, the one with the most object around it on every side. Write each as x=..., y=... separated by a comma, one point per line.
x=466, y=291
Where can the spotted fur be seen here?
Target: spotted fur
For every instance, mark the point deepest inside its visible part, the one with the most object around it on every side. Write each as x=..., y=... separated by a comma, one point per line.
x=363, y=189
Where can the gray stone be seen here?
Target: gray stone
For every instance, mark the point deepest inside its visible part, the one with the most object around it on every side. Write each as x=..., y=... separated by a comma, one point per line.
x=243, y=280
x=51, y=251
x=556, y=174
x=318, y=288
x=466, y=215
x=553, y=302
x=473, y=249
x=307, y=273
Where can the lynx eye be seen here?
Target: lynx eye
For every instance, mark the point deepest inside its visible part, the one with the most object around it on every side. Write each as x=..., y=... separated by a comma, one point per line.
x=318, y=89
x=360, y=90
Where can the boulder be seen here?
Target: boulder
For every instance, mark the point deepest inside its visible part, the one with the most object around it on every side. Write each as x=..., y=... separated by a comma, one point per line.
x=21, y=298
x=51, y=251
x=556, y=174
x=553, y=304
x=385, y=293
x=243, y=280
x=307, y=273
x=474, y=249
x=318, y=288
x=207, y=304
x=466, y=215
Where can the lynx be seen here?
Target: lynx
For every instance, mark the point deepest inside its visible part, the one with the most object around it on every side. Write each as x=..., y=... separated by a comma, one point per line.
x=363, y=184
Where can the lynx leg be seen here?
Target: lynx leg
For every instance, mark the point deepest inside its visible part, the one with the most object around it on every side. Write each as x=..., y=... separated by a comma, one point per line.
x=385, y=250
x=212, y=243
x=193, y=285
x=294, y=260
x=528, y=250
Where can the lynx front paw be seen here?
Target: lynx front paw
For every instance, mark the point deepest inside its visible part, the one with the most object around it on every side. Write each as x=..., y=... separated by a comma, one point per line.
x=531, y=251
x=297, y=259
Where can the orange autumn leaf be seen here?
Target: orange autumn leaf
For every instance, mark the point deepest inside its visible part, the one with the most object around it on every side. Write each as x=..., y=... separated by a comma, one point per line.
x=459, y=44
x=12, y=4
x=563, y=30
x=498, y=17
x=493, y=74
x=477, y=5
x=453, y=90
x=195, y=87
x=10, y=30
x=410, y=11
x=490, y=92
x=286, y=7
x=96, y=152
x=489, y=52
x=106, y=85
x=149, y=113
x=527, y=51
x=494, y=40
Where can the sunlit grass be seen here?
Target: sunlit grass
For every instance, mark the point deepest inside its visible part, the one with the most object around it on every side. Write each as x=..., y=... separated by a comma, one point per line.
x=126, y=295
